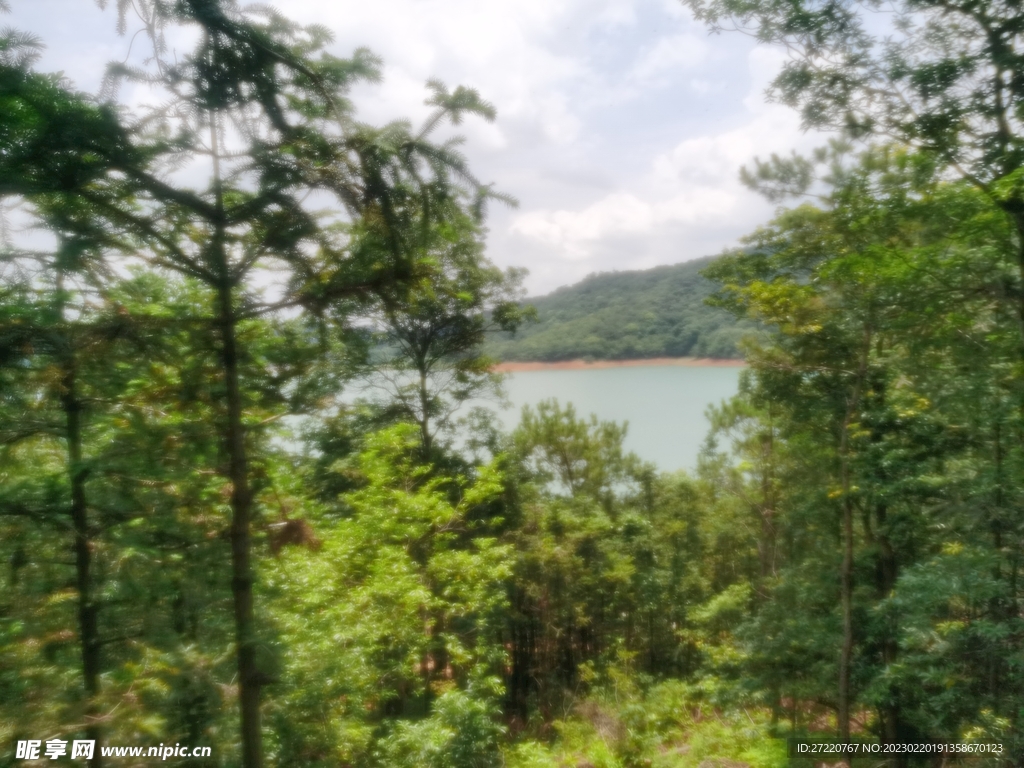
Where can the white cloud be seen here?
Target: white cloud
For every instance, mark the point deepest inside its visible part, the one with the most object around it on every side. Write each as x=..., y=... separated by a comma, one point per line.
x=618, y=214
x=621, y=123
x=571, y=231
x=669, y=57
x=502, y=49
x=687, y=202
x=711, y=159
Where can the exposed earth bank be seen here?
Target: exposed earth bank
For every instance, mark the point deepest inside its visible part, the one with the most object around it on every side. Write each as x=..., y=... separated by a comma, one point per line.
x=577, y=365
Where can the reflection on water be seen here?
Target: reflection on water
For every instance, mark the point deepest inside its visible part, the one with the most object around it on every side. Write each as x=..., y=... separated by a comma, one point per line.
x=664, y=405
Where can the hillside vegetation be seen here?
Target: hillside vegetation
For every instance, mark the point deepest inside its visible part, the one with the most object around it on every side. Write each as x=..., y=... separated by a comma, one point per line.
x=656, y=312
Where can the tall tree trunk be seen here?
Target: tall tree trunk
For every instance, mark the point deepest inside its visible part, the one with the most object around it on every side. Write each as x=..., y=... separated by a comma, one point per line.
x=768, y=540
x=87, y=609
x=887, y=573
x=1016, y=212
x=1000, y=609
x=249, y=678
x=846, y=599
x=424, y=395
x=1007, y=612
x=846, y=569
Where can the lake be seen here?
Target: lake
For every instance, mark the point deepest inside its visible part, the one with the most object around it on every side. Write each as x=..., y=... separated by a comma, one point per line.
x=664, y=405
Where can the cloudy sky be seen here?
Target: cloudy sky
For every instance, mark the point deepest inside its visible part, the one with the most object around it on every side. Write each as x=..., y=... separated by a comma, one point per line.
x=621, y=129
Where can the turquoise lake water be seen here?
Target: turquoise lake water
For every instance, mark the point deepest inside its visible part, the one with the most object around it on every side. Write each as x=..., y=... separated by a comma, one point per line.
x=664, y=405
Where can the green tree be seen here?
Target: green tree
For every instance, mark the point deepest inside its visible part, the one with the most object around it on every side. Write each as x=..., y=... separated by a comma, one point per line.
x=599, y=546
x=429, y=335
x=938, y=75
x=875, y=296
x=583, y=456
x=44, y=390
x=396, y=619
x=58, y=328
x=263, y=108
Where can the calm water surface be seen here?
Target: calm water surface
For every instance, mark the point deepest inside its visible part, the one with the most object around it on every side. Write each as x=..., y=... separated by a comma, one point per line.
x=664, y=405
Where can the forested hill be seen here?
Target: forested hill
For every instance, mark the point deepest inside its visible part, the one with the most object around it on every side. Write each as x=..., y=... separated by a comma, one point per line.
x=656, y=312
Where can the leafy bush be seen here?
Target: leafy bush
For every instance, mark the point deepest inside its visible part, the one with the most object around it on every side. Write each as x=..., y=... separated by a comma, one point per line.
x=664, y=726
x=461, y=732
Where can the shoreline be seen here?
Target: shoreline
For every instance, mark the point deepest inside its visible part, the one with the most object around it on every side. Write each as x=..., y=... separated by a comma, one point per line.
x=650, y=362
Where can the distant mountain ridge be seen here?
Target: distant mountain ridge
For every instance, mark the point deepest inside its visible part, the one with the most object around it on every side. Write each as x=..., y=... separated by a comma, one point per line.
x=657, y=312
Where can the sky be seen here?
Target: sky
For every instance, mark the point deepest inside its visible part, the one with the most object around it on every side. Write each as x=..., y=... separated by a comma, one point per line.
x=621, y=129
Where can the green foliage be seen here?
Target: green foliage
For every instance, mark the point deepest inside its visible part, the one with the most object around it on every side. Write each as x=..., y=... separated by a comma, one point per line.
x=176, y=559
x=603, y=568
x=925, y=73
x=260, y=99
x=428, y=335
x=871, y=433
x=461, y=731
x=663, y=726
x=584, y=457
x=657, y=312
x=395, y=616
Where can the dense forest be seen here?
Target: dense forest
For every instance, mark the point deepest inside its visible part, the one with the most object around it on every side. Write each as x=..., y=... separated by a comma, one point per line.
x=206, y=543
x=658, y=312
